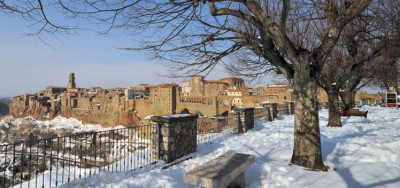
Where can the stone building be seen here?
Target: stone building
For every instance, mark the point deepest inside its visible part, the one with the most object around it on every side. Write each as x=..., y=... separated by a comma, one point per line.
x=212, y=97
x=163, y=99
x=259, y=91
x=71, y=81
x=132, y=92
x=130, y=106
x=234, y=82
x=95, y=105
x=197, y=86
x=372, y=99
x=279, y=93
x=243, y=91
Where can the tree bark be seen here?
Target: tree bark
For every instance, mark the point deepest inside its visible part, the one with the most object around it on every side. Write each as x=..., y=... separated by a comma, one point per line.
x=348, y=99
x=334, y=114
x=307, y=144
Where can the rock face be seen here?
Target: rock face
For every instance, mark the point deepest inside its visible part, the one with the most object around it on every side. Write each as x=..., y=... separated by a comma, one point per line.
x=3, y=109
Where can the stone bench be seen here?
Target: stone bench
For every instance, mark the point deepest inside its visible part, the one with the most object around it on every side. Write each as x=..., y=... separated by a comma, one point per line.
x=227, y=170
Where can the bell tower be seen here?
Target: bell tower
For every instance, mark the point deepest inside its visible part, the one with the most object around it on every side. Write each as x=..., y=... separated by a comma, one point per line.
x=71, y=81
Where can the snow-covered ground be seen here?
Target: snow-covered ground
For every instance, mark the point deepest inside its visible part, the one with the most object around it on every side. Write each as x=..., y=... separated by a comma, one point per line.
x=72, y=125
x=365, y=152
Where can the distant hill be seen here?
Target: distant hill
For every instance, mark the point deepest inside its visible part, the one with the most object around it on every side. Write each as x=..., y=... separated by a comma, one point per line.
x=3, y=109
x=5, y=101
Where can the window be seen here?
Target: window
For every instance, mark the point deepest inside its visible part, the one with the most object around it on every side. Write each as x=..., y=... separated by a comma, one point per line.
x=284, y=97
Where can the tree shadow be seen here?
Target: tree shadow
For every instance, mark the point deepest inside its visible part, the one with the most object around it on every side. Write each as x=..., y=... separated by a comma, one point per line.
x=350, y=180
x=345, y=173
x=330, y=143
x=345, y=120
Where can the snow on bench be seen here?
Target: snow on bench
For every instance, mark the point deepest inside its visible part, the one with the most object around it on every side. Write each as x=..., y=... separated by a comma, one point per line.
x=227, y=169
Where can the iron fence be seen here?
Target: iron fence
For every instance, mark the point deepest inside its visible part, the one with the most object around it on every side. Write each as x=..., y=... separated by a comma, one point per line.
x=56, y=161
x=213, y=136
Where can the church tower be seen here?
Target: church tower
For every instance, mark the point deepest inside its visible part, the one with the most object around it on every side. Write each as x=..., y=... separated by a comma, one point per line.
x=71, y=81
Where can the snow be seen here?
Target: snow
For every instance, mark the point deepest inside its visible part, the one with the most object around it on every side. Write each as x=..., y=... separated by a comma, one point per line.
x=177, y=116
x=72, y=124
x=362, y=153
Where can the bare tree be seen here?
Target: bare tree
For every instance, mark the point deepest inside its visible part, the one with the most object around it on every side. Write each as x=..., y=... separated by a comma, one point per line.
x=356, y=58
x=355, y=82
x=386, y=76
x=195, y=35
x=358, y=47
x=383, y=68
x=36, y=12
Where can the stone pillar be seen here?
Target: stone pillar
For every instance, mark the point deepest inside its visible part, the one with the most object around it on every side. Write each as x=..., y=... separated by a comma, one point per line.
x=290, y=106
x=286, y=108
x=245, y=119
x=238, y=128
x=269, y=115
x=177, y=136
x=273, y=110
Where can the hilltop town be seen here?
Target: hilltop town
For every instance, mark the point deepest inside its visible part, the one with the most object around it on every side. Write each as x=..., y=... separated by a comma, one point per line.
x=130, y=106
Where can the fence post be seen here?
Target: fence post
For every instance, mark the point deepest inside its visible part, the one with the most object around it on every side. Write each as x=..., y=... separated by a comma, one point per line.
x=245, y=117
x=155, y=147
x=238, y=128
x=178, y=135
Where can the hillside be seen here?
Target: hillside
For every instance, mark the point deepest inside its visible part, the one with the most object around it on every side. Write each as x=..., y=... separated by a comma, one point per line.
x=5, y=100
x=3, y=109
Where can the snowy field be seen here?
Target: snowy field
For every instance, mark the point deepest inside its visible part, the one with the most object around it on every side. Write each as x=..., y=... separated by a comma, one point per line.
x=365, y=152
x=58, y=123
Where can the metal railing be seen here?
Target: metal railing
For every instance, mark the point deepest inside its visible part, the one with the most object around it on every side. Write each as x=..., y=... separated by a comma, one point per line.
x=56, y=161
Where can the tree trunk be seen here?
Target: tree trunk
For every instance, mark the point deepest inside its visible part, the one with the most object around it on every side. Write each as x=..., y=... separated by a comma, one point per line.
x=334, y=114
x=307, y=144
x=348, y=99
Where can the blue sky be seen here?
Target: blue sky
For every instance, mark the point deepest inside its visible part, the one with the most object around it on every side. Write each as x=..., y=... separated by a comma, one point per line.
x=27, y=65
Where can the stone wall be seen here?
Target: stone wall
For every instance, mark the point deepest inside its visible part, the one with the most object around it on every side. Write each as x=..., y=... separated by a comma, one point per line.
x=207, y=125
x=29, y=105
x=283, y=109
x=177, y=136
x=203, y=105
x=142, y=106
x=105, y=107
x=287, y=108
x=261, y=114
